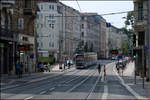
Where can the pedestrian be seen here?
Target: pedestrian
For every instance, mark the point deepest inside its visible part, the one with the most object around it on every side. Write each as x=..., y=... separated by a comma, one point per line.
x=69, y=64
x=104, y=72
x=49, y=67
x=99, y=68
x=18, y=69
x=21, y=69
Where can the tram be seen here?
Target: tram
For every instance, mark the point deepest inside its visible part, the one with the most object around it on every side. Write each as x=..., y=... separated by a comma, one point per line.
x=85, y=59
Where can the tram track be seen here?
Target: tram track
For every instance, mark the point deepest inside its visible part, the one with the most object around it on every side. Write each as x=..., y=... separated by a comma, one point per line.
x=41, y=86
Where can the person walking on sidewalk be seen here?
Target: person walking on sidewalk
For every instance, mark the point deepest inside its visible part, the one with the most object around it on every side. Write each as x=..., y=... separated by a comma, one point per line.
x=18, y=68
x=104, y=72
x=99, y=68
x=48, y=67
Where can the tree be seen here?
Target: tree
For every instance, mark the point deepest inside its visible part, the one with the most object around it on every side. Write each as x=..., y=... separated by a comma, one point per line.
x=86, y=49
x=124, y=47
x=129, y=31
x=80, y=48
x=130, y=19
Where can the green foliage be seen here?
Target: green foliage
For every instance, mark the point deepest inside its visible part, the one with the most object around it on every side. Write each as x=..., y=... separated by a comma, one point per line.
x=130, y=18
x=46, y=59
x=124, y=47
x=80, y=48
x=86, y=49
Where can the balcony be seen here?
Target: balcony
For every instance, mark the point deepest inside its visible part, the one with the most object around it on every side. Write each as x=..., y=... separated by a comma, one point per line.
x=140, y=25
x=7, y=3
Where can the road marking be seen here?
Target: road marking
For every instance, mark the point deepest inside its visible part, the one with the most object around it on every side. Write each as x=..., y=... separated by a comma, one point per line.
x=105, y=94
x=51, y=89
x=28, y=98
x=127, y=87
x=42, y=92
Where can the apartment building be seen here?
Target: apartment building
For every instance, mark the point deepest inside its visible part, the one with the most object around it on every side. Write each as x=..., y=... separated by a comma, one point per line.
x=48, y=28
x=19, y=21
x=8, y=38
x=90, y=29
x=140, y=27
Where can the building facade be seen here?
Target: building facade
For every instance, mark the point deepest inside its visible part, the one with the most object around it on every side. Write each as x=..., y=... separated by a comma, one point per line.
x=103, y=38
x=140, y=28
x=18, y=22
x=8, y=38
x=48, y=29
x=90, y=29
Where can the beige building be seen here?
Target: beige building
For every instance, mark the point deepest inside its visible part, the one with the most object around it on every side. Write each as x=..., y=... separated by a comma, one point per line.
x=103, y=39
x=90, y=29
x=140, y=24
x=141, y=27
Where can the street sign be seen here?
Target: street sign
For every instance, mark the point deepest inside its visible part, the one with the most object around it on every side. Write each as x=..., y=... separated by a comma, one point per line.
x=32, y=56
x=146, y=47
x=120, y=56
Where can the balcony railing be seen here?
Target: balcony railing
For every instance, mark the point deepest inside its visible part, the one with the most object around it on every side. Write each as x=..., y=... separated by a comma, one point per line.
x=28, y=11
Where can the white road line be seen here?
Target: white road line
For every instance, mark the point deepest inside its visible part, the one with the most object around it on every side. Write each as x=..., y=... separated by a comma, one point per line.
x=127, y=87
x=42, y=92
x=105, y=94
x=28, y=98
x=51, y=89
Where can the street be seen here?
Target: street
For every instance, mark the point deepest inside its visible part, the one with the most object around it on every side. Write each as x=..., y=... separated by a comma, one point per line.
x=74, y=84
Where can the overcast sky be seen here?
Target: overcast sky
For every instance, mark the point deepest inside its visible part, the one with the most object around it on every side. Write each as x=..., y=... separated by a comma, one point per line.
x=104, y=7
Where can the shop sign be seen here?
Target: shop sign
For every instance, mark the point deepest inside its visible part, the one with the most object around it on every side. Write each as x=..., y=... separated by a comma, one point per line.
x=32, y=56
x=23, y=47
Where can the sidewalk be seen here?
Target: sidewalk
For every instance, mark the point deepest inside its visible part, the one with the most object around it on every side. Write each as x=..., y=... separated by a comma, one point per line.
x=128, y=77
x=13, y=80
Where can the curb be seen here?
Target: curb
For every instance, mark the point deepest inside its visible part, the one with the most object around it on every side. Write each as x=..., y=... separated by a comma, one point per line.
x=128, y=87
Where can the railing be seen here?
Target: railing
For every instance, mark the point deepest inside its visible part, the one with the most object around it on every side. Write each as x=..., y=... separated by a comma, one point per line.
x=27, y=11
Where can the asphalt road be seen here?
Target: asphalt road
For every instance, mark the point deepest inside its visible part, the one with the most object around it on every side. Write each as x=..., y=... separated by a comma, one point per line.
x=76, y=84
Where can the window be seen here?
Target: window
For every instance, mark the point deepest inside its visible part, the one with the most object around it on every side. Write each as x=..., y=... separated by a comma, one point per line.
x=51, y=16
x=49, y=44
x=141, y=38
x=21, y=23
x=41, y=25
x=140, y=11
x=82, y=34
x=82, y=26
x=50, y=35
x=51, y=7
x=52, y=44
x=41, y=7
x=52, y=26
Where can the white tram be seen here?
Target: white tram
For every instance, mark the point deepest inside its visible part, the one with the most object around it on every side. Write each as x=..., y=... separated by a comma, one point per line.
x=85, y=59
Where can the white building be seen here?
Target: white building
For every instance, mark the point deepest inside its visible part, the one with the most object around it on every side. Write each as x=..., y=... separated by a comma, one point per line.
x=48, y=29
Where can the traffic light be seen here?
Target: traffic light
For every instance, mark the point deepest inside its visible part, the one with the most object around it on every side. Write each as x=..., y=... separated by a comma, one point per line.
x=134, y=40
x=134, y=53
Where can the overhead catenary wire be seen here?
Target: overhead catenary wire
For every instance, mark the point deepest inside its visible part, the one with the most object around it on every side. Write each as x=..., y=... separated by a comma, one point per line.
x=78, y=5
